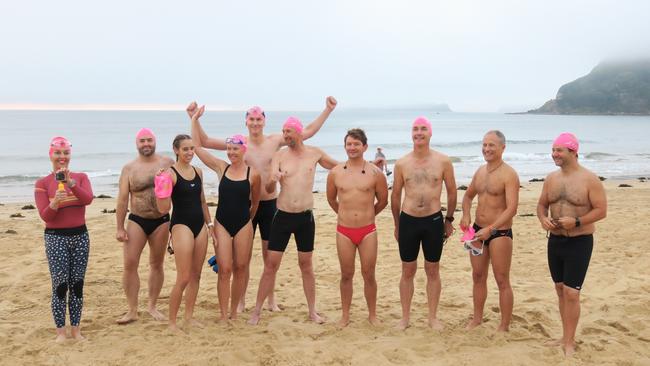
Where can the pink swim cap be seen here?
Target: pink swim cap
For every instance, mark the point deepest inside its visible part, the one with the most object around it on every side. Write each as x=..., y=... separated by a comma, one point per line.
x=423, y=121
x=293, y=122
x=255, y=112
x=145, y=132
x=59, y=142
x=567, y=140
x=238, y=140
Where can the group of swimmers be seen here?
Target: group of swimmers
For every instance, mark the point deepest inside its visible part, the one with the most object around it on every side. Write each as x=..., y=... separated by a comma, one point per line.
x=152, y=185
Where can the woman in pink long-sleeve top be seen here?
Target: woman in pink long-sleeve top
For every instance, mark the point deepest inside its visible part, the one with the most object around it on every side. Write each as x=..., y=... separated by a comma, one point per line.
x=61, y=198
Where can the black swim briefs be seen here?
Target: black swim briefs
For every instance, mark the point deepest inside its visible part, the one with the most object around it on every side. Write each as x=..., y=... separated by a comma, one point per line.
x=149, y=225
x=500, y=233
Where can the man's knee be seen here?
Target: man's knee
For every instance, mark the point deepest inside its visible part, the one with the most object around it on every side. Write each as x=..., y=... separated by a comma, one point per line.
x=503, y=281
x=408, y=271
x=479, y=276
x=347, y=275
x=306, y=266
x=571, y=295
x=225, y=271
x=368, y=274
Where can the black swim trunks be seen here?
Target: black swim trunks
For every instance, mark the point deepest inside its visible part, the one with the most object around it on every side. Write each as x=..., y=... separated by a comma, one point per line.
x=264, y=218
x=148, y=225
x=568, y=258
x=428, y=230
x=500, y=233
x=300, y=224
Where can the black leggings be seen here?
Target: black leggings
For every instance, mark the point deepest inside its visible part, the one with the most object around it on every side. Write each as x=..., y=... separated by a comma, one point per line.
x=67, y=257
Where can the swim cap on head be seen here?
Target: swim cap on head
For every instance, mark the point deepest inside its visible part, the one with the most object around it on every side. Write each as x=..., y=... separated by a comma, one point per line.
x=143, y=133
x=293, y=122
x=567, y=140
x=255, y=112
x=238, y=140
x=59, y=142
x=423, y=121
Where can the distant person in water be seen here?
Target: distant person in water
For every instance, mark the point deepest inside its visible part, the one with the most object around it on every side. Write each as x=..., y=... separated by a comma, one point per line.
x=381, y=162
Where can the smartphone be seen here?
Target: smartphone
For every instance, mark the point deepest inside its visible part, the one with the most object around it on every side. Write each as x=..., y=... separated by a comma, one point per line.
x=60, y=176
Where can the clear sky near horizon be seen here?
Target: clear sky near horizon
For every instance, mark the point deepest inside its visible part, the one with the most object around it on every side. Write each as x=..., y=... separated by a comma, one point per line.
x=283, y=54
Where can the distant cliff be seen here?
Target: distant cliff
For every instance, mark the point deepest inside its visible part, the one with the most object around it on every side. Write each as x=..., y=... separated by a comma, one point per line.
x=610, y=88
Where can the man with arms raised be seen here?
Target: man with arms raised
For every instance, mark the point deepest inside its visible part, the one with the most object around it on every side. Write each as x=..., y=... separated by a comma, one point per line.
x=497, y=187
x=572, y=200
x=260, y=151
x=145, y=224
x=357, y=192
x=419, y=220
x=294, y=167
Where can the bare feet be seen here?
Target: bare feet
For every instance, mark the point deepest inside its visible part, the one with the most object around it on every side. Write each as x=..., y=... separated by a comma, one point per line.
x=174, y=329
x=316, y=318
x=157, y=315
x=272, y=306
x=129, y=317
x=569, y=349
x=193, y=323
x=76, y=334
x=61, y=336
x=503, y=328
x=473, y=324
x=554, y=343
x=435, y=324
x=242, y=306
x=343, y=322
x=255, y=318
x=403, y=324
x=374, y=321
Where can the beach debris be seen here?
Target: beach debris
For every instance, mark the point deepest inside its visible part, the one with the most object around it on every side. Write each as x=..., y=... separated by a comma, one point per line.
x=527, y=215
x=11, y=232
x=28, y=207
x=623, y=185
x=108, y=211
x=536, y=180
x=641, y=179
x=211, y=204
x=104, y=196
x=443, y=208
x=314, y=191
x=462, y=188
x=602, y=178
x=16, y=215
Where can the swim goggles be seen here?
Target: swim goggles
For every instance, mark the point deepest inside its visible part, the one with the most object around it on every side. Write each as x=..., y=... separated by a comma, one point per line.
x=234, y=140
x=467, y=244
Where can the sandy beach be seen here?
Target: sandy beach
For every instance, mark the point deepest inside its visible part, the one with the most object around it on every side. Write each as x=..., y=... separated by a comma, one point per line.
x=613, y=328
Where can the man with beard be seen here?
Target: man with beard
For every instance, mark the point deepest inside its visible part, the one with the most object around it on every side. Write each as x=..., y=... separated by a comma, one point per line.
x=145, y=224
x=294, y=168
x=572, y=201
x=357, y=192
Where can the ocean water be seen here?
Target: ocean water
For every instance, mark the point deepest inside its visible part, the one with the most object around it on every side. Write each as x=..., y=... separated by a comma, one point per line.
x=103, y=141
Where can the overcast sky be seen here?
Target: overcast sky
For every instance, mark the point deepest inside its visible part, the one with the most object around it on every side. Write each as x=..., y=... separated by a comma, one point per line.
x=473, y=55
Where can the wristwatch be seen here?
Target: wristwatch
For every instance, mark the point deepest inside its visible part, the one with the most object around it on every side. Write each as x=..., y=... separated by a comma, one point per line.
x=72, y=183
x=578, y=223
x=211, y=224
x=449, y=218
